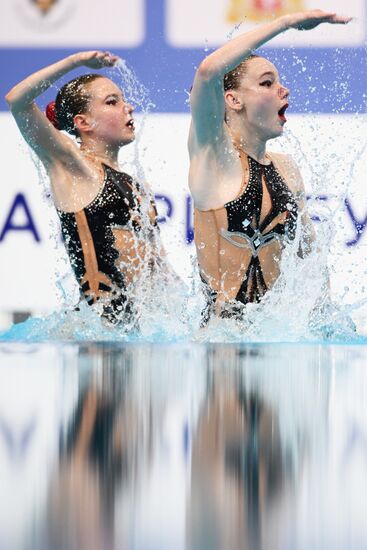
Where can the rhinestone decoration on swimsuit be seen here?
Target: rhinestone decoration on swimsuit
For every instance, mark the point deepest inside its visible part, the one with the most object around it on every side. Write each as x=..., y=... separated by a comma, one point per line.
x=244, y=222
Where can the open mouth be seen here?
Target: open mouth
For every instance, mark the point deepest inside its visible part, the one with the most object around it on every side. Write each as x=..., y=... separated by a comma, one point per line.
x=130, y=124
x=281, y=112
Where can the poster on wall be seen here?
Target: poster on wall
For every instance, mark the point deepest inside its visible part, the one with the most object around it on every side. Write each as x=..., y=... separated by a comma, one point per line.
x=70, y=23
x=209, y=23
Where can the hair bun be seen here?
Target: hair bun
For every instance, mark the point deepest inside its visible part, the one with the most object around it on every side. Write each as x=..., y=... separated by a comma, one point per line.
x=51, y=115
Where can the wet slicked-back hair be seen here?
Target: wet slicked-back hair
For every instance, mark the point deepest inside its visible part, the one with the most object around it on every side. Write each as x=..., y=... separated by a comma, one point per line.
x=232, y=79
x=73, y=99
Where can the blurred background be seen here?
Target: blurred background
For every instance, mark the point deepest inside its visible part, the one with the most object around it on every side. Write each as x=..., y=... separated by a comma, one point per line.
x=163, y=41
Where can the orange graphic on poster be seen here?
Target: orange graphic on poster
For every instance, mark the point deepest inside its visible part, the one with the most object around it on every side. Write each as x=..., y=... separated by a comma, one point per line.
x=260, y=10
x=44, y=5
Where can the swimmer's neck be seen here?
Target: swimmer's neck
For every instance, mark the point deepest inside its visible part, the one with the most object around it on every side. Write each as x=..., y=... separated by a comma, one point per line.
x=101, y=152
x=248, y=141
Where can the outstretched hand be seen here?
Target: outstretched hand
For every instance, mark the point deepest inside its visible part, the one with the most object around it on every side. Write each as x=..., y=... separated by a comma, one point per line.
x=307, y=20
x=96, y=59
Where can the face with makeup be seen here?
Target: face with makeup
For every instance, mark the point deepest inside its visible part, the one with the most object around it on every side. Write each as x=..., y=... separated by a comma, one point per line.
x=108, y=117
x=259, y=99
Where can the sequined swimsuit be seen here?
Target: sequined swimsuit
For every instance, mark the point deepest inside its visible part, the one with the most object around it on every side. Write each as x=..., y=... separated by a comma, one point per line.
x=91, y=237
x=239, y=245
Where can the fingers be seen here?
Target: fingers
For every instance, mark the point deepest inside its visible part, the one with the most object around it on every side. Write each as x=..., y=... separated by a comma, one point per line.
x=104, y=59
x=340, y=19
x=109, y=59
x=97, y=59
x=335, y=19
x=310, y=19
x=331, y=17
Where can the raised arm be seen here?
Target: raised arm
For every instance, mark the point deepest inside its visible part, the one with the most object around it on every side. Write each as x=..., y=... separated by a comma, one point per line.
x=206, y=99
x=35, y=127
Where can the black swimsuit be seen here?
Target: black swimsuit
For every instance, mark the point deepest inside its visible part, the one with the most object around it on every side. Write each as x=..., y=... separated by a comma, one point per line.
x=90, y=242
x=221, y=234
x=244, y=221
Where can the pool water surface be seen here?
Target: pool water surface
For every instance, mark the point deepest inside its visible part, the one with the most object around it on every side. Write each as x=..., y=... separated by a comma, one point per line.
x=183, y=446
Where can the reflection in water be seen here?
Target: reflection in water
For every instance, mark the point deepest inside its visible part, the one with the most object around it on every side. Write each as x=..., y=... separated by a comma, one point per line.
x=242, y=466
x=182, y=446
x=97, y=457
x=238, y=472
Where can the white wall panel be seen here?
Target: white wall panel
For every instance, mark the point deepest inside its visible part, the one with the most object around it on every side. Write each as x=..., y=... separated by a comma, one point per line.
x=69, y=23
x=209, y=22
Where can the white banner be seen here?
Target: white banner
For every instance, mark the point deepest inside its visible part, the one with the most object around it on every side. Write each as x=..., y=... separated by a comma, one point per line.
x=209, y=23
x=330, y=150
x=71, y=23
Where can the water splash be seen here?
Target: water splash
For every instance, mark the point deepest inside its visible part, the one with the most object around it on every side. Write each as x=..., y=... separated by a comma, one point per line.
x=138, y=95
x=234, y=30
x=298, y=308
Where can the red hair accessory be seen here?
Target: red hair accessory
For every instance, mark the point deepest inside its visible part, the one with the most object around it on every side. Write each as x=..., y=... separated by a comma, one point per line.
x=51, y=115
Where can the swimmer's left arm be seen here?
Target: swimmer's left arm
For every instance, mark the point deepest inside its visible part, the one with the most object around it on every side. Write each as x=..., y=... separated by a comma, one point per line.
x=290, y=172
x=309, y=234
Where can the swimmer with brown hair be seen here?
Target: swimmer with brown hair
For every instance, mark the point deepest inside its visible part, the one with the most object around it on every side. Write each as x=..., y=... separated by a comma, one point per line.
x=108, y=220
x=247, y=200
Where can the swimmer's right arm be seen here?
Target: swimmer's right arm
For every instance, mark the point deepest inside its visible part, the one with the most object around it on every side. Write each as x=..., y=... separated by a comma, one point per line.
x=206, y=98
x=37, y=130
